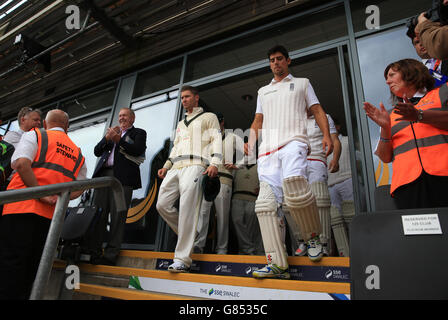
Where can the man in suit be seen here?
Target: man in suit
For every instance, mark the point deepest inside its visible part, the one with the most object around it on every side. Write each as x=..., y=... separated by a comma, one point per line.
x=121, y=151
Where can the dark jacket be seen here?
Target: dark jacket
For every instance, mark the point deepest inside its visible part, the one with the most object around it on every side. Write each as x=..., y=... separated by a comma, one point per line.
x=432, y=37
x=125, y=170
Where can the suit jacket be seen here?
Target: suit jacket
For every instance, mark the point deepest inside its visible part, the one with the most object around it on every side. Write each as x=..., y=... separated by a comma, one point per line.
x=125, y=170
x=444, y=67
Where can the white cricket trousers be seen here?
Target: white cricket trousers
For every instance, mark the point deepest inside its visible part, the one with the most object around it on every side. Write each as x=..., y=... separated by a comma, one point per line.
x=342, y=191
x=222, y=206
x=183, y=184
x=289, y=161
x=316, y=171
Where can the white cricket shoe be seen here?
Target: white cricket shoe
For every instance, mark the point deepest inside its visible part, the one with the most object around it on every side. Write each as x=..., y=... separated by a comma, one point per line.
x=314, y=249
x=271, y=271
x=178, y=267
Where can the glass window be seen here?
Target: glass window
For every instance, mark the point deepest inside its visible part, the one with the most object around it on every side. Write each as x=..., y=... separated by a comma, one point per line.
x=14, y=126
x=390, y=10
x=158, y=121
x=86, y=138
x=3, y=129
x=158, y=78
x=236, y=97
x=89, y=102
x=373, y=60
x=300, y=33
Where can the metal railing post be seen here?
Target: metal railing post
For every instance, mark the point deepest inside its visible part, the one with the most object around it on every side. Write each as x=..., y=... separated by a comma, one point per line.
x=51, y=244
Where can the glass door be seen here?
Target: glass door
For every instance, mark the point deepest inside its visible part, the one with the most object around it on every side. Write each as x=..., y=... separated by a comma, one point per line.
x=156, y=116
x=329, y=73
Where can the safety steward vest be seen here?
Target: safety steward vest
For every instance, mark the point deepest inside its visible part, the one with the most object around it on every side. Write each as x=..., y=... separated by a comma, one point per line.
x=57, y=160
x=419, y=146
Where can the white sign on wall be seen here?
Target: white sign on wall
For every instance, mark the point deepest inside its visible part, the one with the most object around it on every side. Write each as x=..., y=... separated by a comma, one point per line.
x=421, y=224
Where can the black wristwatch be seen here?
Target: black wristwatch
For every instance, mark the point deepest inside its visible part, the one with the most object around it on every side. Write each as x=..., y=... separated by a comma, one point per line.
x=420, y=115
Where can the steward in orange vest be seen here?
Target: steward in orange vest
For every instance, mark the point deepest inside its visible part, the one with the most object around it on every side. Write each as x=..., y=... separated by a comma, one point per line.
x=24, y=225
x=418, y=146
x=57, y=160
x=414, y=137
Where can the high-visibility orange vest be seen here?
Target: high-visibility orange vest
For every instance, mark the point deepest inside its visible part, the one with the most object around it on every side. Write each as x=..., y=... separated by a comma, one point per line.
x=57, y=160
x=427, y=150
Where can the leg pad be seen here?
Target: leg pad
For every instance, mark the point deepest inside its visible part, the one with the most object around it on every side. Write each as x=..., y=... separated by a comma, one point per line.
x=266, y=209
x=302, y=206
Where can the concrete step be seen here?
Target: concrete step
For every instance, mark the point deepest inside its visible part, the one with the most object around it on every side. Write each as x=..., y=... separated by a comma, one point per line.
x=212, y=277
x=127, y=255
x=332, y=269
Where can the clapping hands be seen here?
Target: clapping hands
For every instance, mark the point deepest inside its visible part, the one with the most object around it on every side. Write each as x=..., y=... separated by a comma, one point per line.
x=113, y=134
x=379, y=116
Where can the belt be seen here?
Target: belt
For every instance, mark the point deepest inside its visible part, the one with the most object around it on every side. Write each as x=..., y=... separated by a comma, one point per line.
x=188, y=157
x=225, y=175
x=246, y=192
x=270, y=152
x=318, y=160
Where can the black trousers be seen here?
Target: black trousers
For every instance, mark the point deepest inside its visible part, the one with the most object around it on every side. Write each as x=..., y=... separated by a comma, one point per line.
x=103, y=198
x=22, y=240
x=427, y=191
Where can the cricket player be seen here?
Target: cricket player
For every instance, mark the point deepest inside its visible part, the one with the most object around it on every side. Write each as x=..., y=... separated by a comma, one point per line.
x=232, y=149
x=183, y=171
x=281, y=119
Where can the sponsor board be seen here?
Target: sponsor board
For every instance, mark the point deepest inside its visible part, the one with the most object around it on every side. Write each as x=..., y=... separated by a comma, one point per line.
x=227, y=292
x=303, y=273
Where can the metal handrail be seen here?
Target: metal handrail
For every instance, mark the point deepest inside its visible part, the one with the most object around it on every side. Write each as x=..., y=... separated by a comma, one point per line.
x=63, y=191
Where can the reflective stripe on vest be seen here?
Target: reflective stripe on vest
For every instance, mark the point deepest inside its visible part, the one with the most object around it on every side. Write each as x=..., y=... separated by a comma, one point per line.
x=427, y=150
x=57, y=160
x=421, y=143
x=54, y=166
x=400, y=125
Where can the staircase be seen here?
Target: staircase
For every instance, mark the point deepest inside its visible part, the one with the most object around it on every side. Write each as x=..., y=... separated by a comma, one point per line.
x=143, y=275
